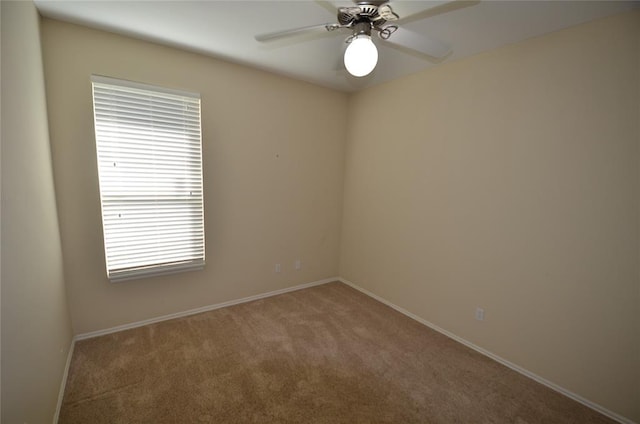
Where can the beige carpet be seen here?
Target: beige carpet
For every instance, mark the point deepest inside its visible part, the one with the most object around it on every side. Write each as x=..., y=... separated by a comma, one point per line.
x=327, y=354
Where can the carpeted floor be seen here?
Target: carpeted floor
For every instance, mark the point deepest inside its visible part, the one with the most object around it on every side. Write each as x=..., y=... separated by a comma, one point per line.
x=326, y=354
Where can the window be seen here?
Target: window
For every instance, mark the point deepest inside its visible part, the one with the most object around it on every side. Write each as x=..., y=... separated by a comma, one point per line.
x=148, y=141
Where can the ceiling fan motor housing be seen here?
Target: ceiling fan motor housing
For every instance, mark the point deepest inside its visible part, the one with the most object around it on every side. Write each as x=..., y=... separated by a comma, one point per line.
x=365, y=11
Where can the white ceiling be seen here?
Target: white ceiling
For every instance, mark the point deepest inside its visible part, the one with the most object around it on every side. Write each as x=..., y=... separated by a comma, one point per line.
x=226, y=29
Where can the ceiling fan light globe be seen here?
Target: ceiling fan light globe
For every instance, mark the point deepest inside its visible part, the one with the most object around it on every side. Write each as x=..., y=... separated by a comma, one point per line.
x=361, y=56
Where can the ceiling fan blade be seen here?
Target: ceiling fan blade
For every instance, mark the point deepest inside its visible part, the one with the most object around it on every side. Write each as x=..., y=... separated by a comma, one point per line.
x=351, y=10
x=412, y=40
x=296, y=31
x=410, y=11
x=386, y=12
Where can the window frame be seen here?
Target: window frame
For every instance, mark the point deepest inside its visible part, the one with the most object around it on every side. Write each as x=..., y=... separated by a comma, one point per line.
x=189, y=208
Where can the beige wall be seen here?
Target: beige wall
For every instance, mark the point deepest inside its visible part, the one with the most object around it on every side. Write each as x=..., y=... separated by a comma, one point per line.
x=36, y=330
x=509, y=181
x=273, y=158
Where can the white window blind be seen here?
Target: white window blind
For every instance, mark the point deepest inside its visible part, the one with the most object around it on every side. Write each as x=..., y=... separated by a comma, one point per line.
x=149, y=149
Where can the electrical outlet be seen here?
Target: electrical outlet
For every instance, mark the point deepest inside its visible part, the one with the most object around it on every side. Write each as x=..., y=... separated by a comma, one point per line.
x=278, y=268
x=479, y=314
x=298, y=264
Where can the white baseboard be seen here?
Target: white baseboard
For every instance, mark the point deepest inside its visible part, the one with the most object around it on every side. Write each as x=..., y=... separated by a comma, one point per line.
x=63, y=383
x=517, y=368
x=200, y=310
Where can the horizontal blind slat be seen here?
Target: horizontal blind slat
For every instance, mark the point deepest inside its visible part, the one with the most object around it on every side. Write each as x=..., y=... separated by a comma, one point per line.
x=108, y=100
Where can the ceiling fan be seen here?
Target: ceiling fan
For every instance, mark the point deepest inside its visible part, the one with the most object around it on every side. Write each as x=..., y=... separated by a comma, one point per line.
x=362, y=19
